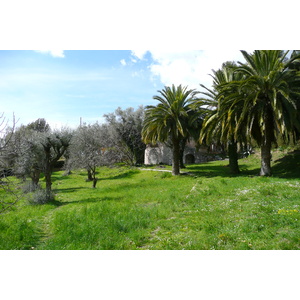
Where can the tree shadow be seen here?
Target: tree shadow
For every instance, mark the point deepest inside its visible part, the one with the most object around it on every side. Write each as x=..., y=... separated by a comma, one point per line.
x=287, y=166
x=127, y=174
x=206, y=170
x=87, y=200
x=70, y=190
x=93, y=200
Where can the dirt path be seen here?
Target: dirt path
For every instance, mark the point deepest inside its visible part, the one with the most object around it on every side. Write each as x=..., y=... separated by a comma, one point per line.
x=169, y=171
x=159, y=170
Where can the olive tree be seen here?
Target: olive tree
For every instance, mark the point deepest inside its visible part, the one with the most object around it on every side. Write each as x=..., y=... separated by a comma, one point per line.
x=127, y=130
x=91, y=147
x=54, y=146
x=36, y=149
x=26, y=154
x=9, y=197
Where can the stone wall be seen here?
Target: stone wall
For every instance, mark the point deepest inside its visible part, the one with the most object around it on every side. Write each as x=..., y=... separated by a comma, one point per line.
x=161, y=154
x=158, y=155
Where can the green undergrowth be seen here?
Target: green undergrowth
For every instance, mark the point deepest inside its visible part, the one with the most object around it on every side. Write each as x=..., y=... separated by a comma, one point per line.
x=204, y=208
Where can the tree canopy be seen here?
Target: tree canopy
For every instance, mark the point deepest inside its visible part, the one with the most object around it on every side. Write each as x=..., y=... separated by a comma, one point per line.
x=169, y=119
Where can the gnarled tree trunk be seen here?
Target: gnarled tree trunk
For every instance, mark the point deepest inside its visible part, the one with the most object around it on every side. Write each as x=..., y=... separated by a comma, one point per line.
x=93, y=174
x=90, y=176
x=35, y=176
x=48, y=168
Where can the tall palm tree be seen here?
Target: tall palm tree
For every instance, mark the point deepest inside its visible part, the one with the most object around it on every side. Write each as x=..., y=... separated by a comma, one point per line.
x=295, y=65
x=220, y=121
x=267, y=98
x=169, y=119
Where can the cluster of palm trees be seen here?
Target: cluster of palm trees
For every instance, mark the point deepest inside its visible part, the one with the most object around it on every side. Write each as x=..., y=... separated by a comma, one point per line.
x=258, y=100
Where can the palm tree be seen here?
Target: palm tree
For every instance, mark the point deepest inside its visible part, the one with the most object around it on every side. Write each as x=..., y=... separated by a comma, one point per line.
x=267, y=99
x=295, y=65
x=169, y=120
x=220, y=122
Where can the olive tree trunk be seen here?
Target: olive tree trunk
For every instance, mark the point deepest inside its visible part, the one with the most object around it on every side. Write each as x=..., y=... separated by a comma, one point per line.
x=35, y=176
x=48, y=168
x=90, y=176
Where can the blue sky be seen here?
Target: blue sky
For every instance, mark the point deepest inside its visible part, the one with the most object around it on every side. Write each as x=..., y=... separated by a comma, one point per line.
x=64, y=86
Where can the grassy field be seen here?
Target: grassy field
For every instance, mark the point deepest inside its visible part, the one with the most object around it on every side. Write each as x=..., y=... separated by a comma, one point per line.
x=138, y=209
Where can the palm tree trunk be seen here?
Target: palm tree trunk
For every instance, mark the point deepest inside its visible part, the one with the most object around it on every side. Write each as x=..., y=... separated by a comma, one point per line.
x=233, y=157
x=265, y=169
x=265, y=147
x=181, y=153
x=176, y=157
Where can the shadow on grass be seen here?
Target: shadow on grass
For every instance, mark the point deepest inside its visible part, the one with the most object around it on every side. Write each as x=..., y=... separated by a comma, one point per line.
x=288, y=166
x=126, y=174
x=92, y=200
x=87, y=200
x=70, y=190
x=206, y=170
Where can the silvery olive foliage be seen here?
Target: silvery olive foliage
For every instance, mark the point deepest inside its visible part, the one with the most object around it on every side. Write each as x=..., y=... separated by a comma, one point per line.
x=92, y=146
x=35, y=149
x=6, y=185
x=126, y=126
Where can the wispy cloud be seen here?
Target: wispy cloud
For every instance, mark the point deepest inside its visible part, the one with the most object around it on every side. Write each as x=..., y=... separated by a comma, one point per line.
x=53, y=53
x=123, y=62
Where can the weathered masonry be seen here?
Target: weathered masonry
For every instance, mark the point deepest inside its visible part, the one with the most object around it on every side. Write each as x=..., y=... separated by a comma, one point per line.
x=161, y=154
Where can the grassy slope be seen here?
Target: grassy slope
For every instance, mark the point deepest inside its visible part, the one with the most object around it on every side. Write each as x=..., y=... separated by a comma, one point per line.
x=133, y=209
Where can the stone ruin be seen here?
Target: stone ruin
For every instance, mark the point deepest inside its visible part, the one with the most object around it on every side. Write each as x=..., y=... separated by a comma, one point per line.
x=161, y=154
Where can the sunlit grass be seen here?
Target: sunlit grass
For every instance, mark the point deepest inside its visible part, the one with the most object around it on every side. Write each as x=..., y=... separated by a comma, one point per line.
x=133, y=209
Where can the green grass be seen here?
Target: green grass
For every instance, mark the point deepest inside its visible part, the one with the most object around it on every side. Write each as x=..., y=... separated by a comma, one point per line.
x=133, y=209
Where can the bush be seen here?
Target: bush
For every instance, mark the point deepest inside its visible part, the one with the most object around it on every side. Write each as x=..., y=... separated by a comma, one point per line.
x=30, y=187
x=40, y=196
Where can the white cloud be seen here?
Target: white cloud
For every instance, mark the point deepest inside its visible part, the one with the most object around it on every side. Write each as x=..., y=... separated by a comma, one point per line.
x=187, y=67
x=138, y=54
x=123, y=62
x=54, y=53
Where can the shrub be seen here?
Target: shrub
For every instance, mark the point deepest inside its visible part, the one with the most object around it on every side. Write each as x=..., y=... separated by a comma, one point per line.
x=40, y=196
